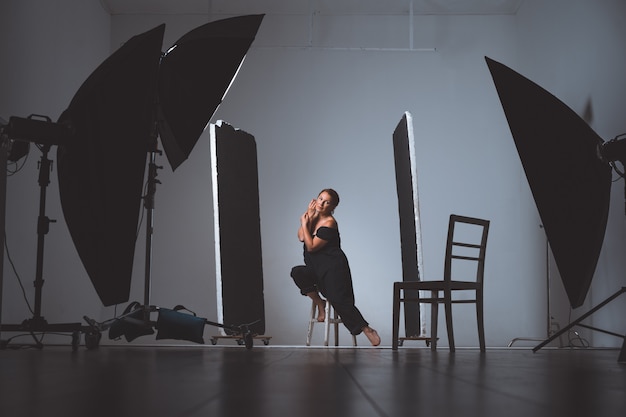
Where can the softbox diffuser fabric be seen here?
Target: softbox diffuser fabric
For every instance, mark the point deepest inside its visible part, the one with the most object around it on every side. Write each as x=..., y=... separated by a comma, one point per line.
x=569, y=182
x=236, y=211
x=101, y=169
x=408, y=211
x=194, y=76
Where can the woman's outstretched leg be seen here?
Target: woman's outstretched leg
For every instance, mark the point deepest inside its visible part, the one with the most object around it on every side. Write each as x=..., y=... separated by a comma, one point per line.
x=372, y=335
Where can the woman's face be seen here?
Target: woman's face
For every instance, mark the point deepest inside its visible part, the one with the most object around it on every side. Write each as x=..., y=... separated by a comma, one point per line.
x=324, y=203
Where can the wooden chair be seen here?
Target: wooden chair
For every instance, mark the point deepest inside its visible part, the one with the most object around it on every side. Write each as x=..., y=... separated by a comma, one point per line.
x=465, y=251
x=331, y=319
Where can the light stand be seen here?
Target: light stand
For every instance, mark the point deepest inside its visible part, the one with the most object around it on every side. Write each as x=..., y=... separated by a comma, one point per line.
x=202, y=63
x=4, y=152
x=143, y=325
x=149, y=206
x=175, y=325
x=549, y=318
x=568, y=167
x=611, y=151
x=112, y=116
x=38, y=324
x=577, y=322
x=183, y=326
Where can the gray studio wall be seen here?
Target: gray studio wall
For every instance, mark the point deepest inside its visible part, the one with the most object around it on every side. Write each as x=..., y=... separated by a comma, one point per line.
x=322, y=106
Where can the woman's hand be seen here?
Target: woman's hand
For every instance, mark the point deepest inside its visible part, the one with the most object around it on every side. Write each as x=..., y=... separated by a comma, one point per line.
x=305, y=220
x=311, y=210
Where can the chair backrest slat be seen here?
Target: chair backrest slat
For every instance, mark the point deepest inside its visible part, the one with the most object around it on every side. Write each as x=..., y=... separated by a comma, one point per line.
x=468, y=237
x=466, y=245
x=466, y=258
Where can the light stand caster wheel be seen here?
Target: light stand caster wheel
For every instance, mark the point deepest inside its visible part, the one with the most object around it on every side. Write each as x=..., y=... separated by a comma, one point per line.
x=75, y=341
x=92, y=340
x=248, y=340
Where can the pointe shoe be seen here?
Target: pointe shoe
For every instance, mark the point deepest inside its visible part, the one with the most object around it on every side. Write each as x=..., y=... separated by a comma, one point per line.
x=372, y=336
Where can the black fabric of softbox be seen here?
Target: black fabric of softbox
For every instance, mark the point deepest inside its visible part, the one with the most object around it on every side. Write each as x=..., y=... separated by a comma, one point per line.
x=101, y=170
x=408, y=225
x=570, y=184
x=194, y=76
x=116, y=116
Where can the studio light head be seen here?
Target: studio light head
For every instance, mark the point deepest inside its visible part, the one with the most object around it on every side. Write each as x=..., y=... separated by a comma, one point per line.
x=37, y=129
x=614, y=150
x=20, y=132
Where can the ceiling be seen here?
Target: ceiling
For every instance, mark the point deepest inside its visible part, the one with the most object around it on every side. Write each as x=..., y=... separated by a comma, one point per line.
x=332, y=7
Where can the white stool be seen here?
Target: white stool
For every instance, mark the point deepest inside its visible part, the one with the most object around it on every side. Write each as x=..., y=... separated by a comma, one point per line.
x=331, y=317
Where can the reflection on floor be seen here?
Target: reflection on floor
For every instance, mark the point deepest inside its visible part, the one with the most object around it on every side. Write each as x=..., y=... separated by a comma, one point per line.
x=294, y=381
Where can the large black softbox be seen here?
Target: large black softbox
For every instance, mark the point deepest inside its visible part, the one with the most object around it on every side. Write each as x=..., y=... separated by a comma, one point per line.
x=569, y=181
x=194, y=76
x=133, y=97
x=101, y=169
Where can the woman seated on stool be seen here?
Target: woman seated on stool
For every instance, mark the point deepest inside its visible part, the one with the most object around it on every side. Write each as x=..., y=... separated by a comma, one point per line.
x=326, y=268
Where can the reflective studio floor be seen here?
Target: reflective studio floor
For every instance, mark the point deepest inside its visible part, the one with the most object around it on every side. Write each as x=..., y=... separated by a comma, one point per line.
x=296, y=381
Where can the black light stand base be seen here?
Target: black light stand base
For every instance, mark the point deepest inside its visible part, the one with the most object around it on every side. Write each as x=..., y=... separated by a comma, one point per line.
x=577, y=322
x=40, y=325
x=135, y=322
x=241, y=340
x=37, y=324
x=242, y=333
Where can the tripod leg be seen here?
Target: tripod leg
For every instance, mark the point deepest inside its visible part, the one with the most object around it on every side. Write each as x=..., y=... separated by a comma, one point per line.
x=581, y=318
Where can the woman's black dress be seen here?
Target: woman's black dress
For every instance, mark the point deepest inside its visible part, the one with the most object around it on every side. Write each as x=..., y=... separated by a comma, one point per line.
x=328, y=272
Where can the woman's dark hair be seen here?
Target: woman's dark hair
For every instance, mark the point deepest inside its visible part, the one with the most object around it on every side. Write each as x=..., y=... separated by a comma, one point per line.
x=333, y=195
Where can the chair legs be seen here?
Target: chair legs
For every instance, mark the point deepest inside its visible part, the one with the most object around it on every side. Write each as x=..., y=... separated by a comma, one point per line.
x=480, y=321
x=331, y=318
x=434, y=302
x=395, y=325
x=447, y=303
x=312, y=317
x=434, y=322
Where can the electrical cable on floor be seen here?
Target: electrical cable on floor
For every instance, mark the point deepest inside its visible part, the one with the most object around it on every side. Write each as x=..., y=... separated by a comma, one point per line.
x=583, y=343
x=6, y=344
x=17, y=276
